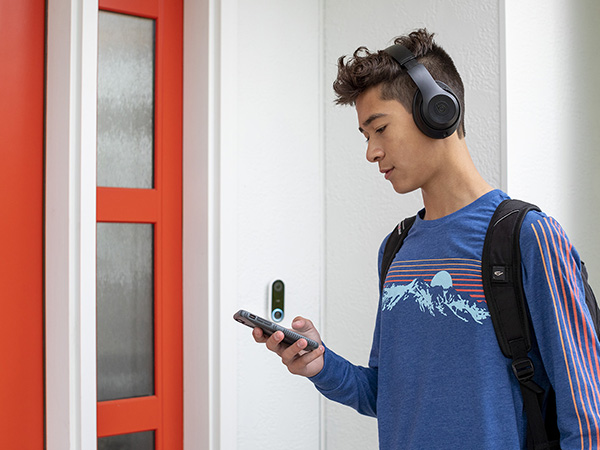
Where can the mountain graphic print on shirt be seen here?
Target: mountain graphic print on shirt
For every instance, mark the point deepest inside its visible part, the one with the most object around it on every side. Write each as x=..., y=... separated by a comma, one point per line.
x=451, y=288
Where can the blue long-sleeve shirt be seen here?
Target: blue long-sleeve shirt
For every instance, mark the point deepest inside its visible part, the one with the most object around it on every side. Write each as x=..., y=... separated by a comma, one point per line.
x=436, y=377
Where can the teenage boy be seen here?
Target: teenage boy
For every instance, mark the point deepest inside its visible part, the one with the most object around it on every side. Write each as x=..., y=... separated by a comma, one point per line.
x=436, y=377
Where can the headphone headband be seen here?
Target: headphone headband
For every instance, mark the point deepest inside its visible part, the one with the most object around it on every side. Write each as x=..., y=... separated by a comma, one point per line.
x=436, y=109
x=401, y=54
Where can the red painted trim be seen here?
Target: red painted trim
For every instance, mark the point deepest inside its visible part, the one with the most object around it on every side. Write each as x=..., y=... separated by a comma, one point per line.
x=22, y=34
x=171, y=65
x=123, y=416
x=143, y=8
x=127, y=205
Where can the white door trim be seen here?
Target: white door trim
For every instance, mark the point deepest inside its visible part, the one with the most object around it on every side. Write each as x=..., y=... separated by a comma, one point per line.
x=70, y=260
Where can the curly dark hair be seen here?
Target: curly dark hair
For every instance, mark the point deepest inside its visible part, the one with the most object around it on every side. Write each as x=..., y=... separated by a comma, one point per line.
x=365, y=69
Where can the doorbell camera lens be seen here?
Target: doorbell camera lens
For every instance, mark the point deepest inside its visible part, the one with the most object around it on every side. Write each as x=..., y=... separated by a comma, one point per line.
x=277, y=315
x=278, y=286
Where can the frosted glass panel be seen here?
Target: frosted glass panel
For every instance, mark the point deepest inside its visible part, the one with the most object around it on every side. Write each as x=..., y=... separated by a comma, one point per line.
x=125, y=101
x=133, y=441
x=125, y=310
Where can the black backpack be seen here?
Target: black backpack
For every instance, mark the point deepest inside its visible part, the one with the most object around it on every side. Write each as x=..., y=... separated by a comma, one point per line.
x=503, y=287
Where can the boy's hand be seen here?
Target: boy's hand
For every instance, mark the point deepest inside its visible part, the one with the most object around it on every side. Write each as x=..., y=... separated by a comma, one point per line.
x=298, y=362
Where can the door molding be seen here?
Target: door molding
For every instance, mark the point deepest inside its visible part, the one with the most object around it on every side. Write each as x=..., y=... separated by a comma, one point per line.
x=71, y=224
x=200, y=218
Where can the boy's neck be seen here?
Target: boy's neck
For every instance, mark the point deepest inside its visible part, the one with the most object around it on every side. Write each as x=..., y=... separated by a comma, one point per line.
x=459, y=185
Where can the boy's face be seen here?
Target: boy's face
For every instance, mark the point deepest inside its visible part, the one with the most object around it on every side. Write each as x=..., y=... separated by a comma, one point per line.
x=405, y=156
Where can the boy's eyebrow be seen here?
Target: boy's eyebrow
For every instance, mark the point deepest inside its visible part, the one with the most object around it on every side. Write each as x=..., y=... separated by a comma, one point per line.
x=371, y=118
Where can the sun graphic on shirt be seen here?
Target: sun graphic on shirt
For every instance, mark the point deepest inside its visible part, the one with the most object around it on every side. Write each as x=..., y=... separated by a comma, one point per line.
x=442, y=279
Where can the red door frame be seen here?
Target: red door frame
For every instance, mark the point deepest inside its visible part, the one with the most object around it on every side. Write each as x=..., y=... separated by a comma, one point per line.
x=162, y=206
x=22, y=35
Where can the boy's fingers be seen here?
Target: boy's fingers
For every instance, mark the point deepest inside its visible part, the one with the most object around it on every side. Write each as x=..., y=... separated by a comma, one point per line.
x=274, y=341
x=301, y=324
x=309, y=357
x=290, y=353
x=257, y=334
x=299, y=366
x=298, y=323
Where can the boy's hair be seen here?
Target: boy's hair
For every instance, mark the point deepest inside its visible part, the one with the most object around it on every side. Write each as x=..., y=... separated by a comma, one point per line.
x=366, y=69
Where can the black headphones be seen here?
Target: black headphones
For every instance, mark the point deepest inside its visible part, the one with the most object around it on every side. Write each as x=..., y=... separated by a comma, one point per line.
x=436, y=110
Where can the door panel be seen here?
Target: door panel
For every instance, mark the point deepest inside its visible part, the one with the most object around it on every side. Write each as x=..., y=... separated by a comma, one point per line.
x=139, y=214
x=21, y=228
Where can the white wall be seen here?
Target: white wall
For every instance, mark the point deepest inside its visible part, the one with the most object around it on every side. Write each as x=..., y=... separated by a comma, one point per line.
x=361, y=207
x=270, y=199
x=553, y=93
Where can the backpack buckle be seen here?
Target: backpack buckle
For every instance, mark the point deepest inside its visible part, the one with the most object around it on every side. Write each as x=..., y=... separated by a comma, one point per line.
x=523, y=369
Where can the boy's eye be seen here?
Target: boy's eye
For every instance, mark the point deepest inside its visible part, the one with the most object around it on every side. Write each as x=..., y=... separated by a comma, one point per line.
x=378, y=130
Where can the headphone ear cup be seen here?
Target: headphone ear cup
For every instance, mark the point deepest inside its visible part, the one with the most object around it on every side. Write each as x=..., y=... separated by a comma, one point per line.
x=440, y=117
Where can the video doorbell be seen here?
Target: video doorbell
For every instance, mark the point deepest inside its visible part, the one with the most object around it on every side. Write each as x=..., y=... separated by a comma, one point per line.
x=277, y=300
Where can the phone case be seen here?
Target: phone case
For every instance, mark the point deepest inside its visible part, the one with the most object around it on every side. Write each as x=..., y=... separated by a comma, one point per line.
x=252, y=320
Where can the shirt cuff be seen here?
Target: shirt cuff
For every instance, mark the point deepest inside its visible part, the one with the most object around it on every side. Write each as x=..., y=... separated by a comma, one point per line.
x=328, y=379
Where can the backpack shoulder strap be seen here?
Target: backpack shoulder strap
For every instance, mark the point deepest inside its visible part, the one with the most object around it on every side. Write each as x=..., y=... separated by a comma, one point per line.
x=502, y=281
x=392, y=246
x=503, y=287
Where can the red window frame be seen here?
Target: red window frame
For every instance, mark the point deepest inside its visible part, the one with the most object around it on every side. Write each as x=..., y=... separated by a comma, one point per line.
x=161, y=206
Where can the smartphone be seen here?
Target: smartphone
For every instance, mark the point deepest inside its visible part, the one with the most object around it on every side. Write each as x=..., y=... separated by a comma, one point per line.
x=253, y=321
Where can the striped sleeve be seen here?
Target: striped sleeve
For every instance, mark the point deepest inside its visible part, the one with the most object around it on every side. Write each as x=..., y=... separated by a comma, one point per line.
x=562, y=324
